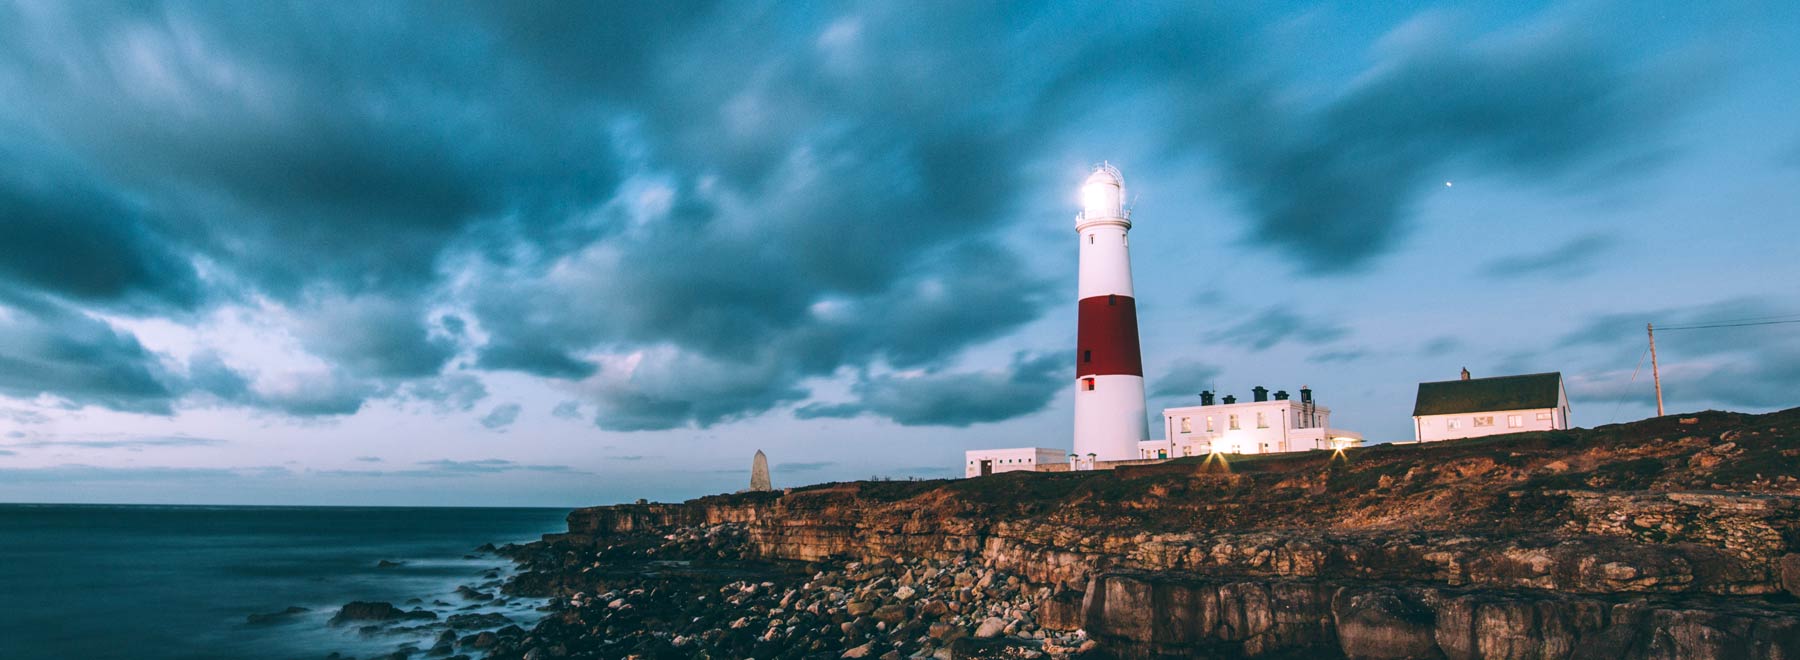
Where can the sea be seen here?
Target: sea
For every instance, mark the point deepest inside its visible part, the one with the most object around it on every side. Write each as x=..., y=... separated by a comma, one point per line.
x=96, y=582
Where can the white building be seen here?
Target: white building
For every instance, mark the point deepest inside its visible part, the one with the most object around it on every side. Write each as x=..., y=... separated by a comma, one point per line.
x=1471, y=408
x=1258, y=426
x=983, y=462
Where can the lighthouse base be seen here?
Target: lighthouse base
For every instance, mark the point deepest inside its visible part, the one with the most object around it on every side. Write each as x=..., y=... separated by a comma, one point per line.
x=1110, y=417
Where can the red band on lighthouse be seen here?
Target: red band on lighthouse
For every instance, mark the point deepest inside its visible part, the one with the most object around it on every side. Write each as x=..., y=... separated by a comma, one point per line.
x=1107, y=338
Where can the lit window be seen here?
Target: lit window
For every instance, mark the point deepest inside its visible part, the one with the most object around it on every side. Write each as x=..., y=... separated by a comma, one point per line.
x=1453, y=423
x=1231, y=422
x=1515, y=421
x=1087, y=384
x=1186, y=426
x=1209, y=424
x=1484, y=420
x=1262, y=422
x=1543, y=417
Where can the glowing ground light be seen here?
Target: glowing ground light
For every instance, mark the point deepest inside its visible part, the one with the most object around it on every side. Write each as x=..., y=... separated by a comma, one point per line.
x=1223, y=464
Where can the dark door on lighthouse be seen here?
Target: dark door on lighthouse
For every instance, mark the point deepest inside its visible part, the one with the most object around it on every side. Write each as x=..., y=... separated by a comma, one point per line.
x=987, y=467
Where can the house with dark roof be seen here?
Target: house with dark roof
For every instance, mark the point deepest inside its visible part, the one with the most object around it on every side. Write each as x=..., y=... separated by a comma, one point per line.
x=1474, y=407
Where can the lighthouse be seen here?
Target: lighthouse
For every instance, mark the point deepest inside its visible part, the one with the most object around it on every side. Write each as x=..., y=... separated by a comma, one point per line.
x=1109, y=371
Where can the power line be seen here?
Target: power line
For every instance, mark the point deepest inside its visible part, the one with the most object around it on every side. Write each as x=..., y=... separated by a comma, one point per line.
x=1725, y=325
x=1627, y=390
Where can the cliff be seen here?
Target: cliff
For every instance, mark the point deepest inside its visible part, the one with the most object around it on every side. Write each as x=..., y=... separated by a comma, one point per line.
x=1671, y=537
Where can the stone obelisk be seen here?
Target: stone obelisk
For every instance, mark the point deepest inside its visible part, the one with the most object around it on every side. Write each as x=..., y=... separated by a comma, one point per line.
x=759, y=473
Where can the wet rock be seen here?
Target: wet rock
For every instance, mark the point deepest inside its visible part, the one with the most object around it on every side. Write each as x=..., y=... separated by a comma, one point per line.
x=377, y=611
x=477, y=621
x=275, y=617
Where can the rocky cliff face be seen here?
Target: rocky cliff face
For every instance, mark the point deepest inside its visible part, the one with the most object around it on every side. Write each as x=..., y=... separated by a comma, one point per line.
x=1674, y=537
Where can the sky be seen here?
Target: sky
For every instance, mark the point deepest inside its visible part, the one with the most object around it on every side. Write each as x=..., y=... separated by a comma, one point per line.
x=560, y=254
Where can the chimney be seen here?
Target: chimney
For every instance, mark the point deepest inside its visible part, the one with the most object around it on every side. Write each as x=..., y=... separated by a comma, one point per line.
x=1206, y=398
x=1281, y=395
x=1229, y=399
x=1305, y=394
x=1259, y=393
x=1465, y=375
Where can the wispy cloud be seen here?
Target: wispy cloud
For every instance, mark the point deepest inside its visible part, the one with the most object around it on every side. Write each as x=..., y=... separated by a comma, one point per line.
x=1578, y=256
x=128, y=444
x=446, y=468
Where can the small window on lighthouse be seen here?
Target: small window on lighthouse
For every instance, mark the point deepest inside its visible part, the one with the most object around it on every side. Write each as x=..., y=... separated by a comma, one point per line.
x=1087, y=356
x=1090, y=239
x=1112, y=299
x=1087, y=384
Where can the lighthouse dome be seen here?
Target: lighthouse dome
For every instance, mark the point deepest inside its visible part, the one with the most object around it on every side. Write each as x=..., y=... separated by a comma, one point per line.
x=1103, y=195
x=1106, y=174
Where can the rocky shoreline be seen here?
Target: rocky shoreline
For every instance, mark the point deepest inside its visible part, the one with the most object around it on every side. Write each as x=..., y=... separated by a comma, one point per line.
x=1676, y=537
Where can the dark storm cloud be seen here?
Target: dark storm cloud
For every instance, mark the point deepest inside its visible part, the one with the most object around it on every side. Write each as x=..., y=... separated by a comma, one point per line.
x=501, y=416
x=1743, y=366
x=950, y=398
x=1576, y=257
x=1331, y=180
x=49, y=349
x=62, y=235
x=1274, y=325
x=693, y=212
x=1185, y=378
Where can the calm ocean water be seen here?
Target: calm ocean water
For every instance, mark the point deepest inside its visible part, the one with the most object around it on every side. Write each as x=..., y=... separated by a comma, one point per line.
x=167, y=582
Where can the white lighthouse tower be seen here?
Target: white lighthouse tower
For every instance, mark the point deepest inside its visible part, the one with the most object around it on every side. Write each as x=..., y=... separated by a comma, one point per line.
x=1109, y=370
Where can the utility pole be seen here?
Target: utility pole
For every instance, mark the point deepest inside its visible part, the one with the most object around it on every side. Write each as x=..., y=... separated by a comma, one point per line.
x=1654, y=374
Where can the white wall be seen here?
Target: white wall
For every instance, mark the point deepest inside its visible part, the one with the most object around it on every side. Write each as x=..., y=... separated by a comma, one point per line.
x=1011, y=460
x=1105, y=261
x=1287, y=426
x=1110, y=419
x=1431, y=428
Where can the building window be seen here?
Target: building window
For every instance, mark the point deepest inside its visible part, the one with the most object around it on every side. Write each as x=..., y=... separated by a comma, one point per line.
x=1453, y=423
x=1209, y=424
x=1231, y=422
x=1543, y=417
x=1087, y=356
x=1515, y=421
x=1087, y=384
x=1186, y=426
x=1112, y=299
x=1090, y=239
x=1262, y=421
x=1484, y=420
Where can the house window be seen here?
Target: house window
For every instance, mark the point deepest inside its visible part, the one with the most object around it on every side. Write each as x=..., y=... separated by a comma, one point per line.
x=1453, y=423
x=1262, y=422
x=1186, y=426
x=1515, y=421
x=1087, y=384
x=1484, y=420
x=1209, y=424
x=1543, y=417
x=1231, y=422
x=1087, y=356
